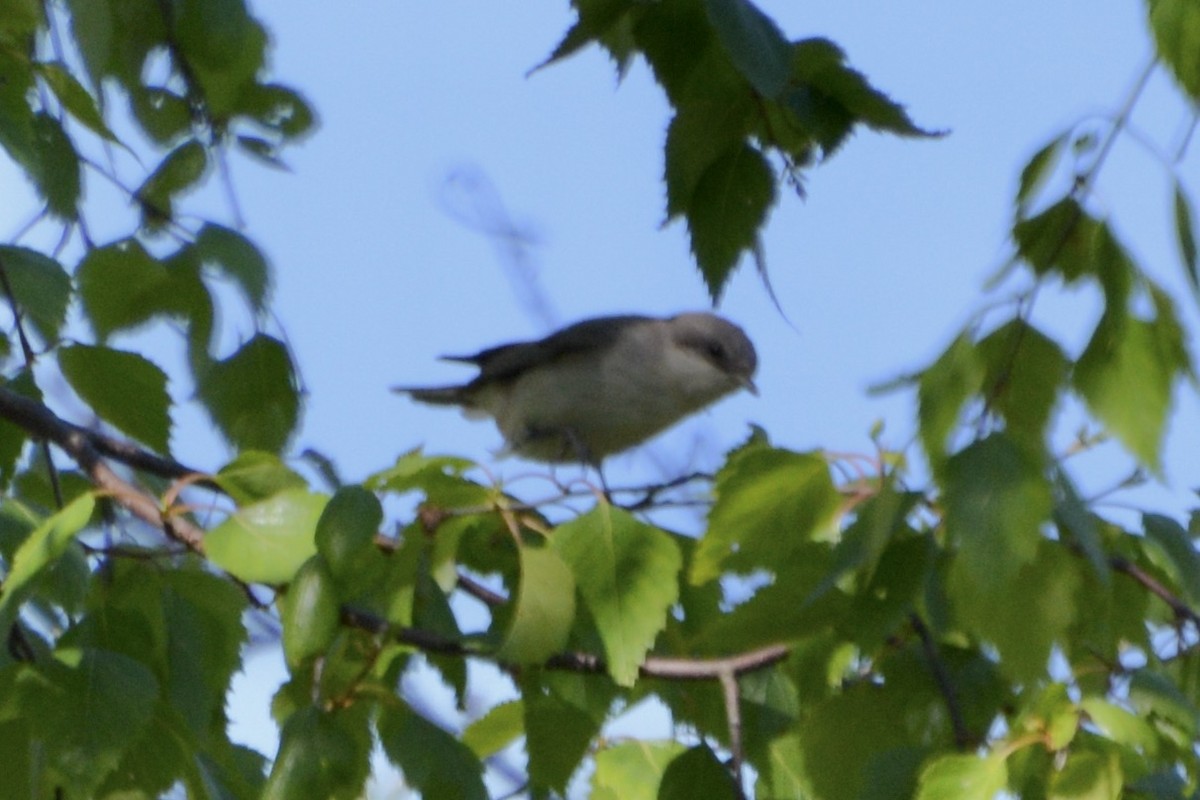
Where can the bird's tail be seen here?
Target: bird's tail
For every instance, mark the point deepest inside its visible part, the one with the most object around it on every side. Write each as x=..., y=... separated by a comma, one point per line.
x=435, y=395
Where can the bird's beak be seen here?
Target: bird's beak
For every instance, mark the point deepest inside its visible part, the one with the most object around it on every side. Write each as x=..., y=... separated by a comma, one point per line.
x=750, y=387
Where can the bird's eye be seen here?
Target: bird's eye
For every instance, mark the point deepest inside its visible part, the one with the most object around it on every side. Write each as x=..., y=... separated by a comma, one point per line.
x=715, y=350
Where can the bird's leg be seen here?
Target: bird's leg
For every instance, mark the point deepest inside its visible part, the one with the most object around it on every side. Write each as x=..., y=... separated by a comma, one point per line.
x=584, y=453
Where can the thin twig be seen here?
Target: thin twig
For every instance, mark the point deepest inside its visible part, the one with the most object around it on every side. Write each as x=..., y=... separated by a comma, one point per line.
x=733, y=716
x=962, y=737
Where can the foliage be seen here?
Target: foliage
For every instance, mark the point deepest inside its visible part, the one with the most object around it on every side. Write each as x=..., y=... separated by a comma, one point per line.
x=976, y=628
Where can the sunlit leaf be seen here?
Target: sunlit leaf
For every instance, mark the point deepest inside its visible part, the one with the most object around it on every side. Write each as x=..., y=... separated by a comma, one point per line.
x=40, y=549
x=632, y=770
x=1176, y=26
x=502, y=725
x=545, y=608
x=963, y=777
x=266, y=542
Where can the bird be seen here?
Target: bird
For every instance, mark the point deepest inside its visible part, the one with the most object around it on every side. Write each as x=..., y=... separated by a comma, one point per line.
x=600, y=386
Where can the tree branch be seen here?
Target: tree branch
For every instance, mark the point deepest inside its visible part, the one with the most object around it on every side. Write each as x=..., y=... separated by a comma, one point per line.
x=962, y=737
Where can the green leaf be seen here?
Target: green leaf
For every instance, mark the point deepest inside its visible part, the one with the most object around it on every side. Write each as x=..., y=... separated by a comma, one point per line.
x=1121, y=725
x=1176, y=26
x=434, y=763
x=12, y=436
x=632, y=770
x=1059, y=239
x=769, y=503
x=268, y=541
x=41, y=287
x=164, y=116
x=963, y=777
x=753, y=42
x=784, y=780
x=123, y=388
x=1157, y=697
x=277, y=108
x=727, y=210
x=544, y=610
x=237, y=258
x=1185, y=234
x=1025, y=372
x=182, y=168
x=75, y=98
x=1078, y=526
x=224, y=47
x=1035, y=173
x=944, y=388
x=40, y=549
x=56, y=173
x=322, y=755
x=628, y=576
x=347, y=529
x=1126, y=376
x=502, y=725
x=309, y=613
x=1087, y=775
x=1180, y=550
x=604, y=21
x=121, y=286
x=696, y=773
x=252, y=395
x=255, y=475
x=558, y=733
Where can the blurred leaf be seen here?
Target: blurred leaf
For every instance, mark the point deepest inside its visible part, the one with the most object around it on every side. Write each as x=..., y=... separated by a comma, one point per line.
x=1035, y=173
x=75, y=98
x=237, y=258
x=12, y=436
x=753, y=42
x=1059, y=239
x=1185, y=234
x=255, y=475
x=277, y=108
x=309, y=613
x=727, y=210
x=265, y=152
x=1156, y=697
x=502, y=725
x=268, y=541
x=434, y=762
x=182, y=168
x=40, y=549
x=1180, y=550
x=1087, y=775
x=164, y=116
x=56, y=173
x=120, y=286
x=945, y=386
x=123, y=388
x=1025, y=372
x=41, y=287
x=1120, y=725
x=544, y=609
x=769, y=503
x=963, y=777
x=252, y=395
x=1176, y=26
x=558, y=734
x=628, y=576
x=606, y=22
x=632, y=770
x=696, y=773
x=322, y=754
x=1078, y=526
x=223, y=46
x=347, y=529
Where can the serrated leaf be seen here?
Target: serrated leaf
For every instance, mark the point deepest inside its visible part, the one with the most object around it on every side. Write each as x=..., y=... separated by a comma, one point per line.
x=597, y=22
x=632, y=770
x=1176, y=26
x=1185, y=235
x=237, y=258
x=121, y=286
x=628, y=576
x=697, y=773
x=56, y=173
x=1059, y=239
x=1038, y=169
x=322, y=754
x=963, y=777
x=433, y=762
x=753, y=42
x=75, y=98
x=40, y=549
x=224, y=47
x=502, y=725
x=768, y=503
x=41, y=287
x=123, y=388
x=182, y=168
x=544, y=610
x=943, y=389
x=252, y=395
x=1025, y=373
x=727, y=210
x=266, y=542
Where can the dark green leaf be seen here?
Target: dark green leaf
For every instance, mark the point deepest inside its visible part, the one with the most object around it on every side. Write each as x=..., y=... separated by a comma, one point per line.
x=75, y=98
x=41, y=287
x=123, y=388
x=544, y=610
x=1078, y=526
x=696, y=773
x=277, y=108
x=12, y=436
x=753, y=42
x=164, y=116
x=628, y=576
x=268, y=541
x=1026, y=370
x=1157, y=697
x=1176, y=26
x=727, y=211
x=769, y=503
x=266, y=152
x=1035, y=173
x=1183, y=562
x=1059, y=239
x=224, y=47
x=237, y=258
x=309, y=613
x=57, y=172
x=603, y=21
x=16, y=117
x=945, y=386
x=181, y=170
x=252, y=395
x=322, y=755
x=1185, y=234
x=121, y=286
x=347, y=529
x=434, y=763
x=558, y=734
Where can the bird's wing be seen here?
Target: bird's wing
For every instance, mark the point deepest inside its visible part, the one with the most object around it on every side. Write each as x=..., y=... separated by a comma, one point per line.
x=507, y=361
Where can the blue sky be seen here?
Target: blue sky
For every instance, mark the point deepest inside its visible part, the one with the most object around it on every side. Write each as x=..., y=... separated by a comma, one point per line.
x=876, y=269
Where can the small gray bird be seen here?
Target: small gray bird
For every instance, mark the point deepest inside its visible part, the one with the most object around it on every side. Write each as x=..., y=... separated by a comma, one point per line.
x=603, y=385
